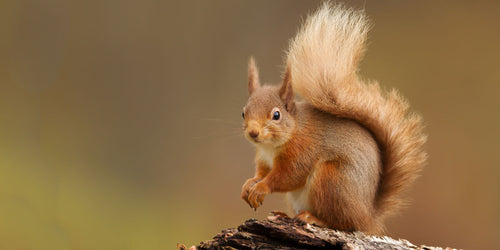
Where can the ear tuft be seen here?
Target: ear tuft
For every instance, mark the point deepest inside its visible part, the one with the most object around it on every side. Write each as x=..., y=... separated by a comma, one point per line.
x=253, y=76
x=286, y=91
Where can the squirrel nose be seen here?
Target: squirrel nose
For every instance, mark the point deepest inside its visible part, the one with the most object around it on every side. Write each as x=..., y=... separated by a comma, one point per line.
x=253, y=133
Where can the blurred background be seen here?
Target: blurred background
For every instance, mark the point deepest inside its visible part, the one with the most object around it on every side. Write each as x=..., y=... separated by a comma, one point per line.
x=120, y=120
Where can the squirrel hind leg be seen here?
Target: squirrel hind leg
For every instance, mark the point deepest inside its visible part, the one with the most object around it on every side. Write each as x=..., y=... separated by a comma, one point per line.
x=336, y=202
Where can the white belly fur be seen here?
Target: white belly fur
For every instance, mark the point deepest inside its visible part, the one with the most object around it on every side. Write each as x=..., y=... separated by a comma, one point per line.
x=266, y=155
x=299, y=200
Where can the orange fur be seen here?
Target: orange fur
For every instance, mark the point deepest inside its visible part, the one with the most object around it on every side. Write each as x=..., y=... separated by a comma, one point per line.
x=345, y=155
x=324, y=58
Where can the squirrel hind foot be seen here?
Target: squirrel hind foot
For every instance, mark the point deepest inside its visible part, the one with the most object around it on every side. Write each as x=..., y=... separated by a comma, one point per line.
x=280, y=214
x=307, y=217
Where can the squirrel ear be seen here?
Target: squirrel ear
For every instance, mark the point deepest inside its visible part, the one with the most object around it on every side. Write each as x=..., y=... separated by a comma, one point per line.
x=286, y=91
x=253, y=76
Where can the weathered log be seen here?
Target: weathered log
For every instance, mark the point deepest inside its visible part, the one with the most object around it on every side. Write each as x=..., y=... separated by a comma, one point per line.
x=278, y=231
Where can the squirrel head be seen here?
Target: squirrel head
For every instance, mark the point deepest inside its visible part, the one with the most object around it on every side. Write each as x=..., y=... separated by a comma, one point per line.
x=269, y=115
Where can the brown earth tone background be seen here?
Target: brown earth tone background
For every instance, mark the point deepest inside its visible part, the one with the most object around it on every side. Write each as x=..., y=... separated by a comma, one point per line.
x=120, y=120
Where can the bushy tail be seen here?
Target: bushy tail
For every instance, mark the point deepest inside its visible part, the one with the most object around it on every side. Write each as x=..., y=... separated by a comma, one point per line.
x=323, y=61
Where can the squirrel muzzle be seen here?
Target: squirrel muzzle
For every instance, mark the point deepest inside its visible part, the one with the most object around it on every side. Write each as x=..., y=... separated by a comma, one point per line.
x=253, y=131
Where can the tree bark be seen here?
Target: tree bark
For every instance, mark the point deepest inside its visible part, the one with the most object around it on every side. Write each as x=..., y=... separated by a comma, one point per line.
x=278, y=231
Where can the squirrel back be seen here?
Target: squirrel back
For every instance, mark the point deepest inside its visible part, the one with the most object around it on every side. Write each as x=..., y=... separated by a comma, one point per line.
x=323, y=62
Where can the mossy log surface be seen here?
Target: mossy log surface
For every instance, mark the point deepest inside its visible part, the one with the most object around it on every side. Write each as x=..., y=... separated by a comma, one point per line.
x=278, y=231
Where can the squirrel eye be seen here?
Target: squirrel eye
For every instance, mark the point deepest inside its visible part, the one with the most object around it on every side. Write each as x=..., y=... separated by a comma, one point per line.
x=243, y=115
x=276, y=115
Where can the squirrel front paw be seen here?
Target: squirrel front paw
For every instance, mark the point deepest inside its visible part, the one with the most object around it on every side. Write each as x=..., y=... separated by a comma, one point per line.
x=246, y=188
x=257, y=193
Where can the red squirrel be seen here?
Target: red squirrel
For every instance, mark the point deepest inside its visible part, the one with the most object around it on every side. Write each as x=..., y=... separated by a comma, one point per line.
x=346, y=153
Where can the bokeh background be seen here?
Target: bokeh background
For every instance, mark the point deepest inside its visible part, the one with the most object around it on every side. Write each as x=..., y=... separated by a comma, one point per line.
x=120, y=120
